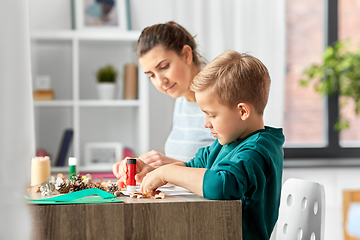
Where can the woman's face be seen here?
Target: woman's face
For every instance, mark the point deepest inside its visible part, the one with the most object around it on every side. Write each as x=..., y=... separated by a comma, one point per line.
x=169, y=72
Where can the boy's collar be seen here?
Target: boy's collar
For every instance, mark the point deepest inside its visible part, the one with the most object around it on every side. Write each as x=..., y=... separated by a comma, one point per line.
x=241, y=139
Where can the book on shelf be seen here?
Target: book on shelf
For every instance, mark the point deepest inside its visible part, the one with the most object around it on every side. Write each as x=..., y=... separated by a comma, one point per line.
x=64, y=147
x=130, y=81
x=73, y=18
x=43, y=95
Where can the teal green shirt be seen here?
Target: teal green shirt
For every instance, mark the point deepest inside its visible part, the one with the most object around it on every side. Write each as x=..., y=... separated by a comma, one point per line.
x=249, y=169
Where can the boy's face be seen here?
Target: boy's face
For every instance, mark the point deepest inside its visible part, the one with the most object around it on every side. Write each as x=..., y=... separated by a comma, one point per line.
x=225, y=123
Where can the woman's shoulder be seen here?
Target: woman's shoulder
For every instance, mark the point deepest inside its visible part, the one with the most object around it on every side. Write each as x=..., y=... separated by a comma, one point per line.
x=185, y=107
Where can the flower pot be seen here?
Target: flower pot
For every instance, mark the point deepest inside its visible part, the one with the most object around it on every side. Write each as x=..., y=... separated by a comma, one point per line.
x=106, y=91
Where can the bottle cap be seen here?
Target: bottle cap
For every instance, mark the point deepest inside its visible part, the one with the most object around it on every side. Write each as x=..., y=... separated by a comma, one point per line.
x=131, y=161
x=72, y=161
x=131, y=189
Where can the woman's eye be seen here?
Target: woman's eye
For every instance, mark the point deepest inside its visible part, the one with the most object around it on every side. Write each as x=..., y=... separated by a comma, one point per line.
x=165, y=67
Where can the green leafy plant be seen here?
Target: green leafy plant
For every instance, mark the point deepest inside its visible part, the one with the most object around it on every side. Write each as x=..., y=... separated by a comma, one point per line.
x=107, y=74
x=339, y=73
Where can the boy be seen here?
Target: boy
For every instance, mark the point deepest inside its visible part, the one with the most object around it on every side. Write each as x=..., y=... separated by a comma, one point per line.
x=245, y=162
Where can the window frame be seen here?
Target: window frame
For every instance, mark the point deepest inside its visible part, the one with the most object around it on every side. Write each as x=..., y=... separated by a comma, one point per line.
x=329, y=155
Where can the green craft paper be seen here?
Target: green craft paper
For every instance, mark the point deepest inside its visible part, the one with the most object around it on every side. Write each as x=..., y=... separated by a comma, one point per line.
x=86, y=200
x=78, y=197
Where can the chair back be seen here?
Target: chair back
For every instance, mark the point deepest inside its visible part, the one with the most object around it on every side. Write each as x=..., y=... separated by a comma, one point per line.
x=302, y=211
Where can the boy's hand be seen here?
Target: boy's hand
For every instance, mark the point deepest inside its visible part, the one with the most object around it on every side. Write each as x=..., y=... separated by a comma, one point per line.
x=156, y=159
x=152, y=181
x=142, y=169
x=120, y=169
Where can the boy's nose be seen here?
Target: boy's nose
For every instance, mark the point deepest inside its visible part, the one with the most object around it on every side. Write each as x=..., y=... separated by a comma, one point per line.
x=207, y=123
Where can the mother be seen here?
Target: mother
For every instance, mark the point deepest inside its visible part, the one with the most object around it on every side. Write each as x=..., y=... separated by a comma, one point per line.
x=167, y=54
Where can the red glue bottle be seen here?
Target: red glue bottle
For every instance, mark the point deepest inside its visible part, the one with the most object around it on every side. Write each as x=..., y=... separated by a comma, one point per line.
x=130, y=174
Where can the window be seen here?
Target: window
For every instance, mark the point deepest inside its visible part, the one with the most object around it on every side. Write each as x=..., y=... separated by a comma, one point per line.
x=304, y=108
x=308, y=118
x=349, y=22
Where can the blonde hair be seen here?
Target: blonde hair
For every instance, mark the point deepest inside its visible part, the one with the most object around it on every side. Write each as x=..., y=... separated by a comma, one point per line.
x=235, y=78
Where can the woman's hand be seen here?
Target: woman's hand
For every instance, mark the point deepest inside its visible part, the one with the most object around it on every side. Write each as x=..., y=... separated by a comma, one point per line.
x=156, y=159
x=119, y=168
x=152, y=180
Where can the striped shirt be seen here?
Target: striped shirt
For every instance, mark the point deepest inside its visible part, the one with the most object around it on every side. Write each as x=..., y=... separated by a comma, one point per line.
x=188, y=134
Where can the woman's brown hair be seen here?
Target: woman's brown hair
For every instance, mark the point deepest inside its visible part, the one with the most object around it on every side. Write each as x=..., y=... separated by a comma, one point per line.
x=172, y=36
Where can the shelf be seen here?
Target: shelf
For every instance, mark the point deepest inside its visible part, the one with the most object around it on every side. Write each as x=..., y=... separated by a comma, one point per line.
x=55, y=35
x=54, y=103
x=88, y=103
x=95, y=168
x=71, y=57
x=106, y=35
x=56, y=169
x=109, y=103
x=103, y=35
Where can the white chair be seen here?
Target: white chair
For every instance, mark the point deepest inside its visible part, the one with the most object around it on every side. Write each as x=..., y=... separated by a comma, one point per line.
x=302, y=211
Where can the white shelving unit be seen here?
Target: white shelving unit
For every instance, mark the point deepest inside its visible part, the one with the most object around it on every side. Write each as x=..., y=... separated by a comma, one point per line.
x=71, y=58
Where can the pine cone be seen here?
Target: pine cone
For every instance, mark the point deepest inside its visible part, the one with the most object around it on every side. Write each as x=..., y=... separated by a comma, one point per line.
x=77, y=178
x=77, y=186
x=64, y=188
x=112, y=188
x=98, y=186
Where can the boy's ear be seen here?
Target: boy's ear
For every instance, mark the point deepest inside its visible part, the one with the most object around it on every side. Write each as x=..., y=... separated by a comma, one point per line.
x=187, y=54
x=244, y=111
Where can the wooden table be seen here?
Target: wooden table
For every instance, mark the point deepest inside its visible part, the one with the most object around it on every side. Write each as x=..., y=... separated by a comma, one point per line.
x=175, y=217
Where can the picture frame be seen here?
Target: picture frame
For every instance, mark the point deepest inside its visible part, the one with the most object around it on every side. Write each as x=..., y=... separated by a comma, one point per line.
x=351, y=214
x=103, y=153
x=102, y=14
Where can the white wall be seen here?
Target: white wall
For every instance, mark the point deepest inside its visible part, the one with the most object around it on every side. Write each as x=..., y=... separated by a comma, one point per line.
x=17, y=138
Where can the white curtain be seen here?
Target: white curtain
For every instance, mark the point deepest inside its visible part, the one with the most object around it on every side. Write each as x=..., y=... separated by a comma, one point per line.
x=16, y=119
x=256, y=27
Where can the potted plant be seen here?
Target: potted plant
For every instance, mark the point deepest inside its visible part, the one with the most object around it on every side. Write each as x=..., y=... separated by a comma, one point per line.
x=338, y=73
x=106, y=78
